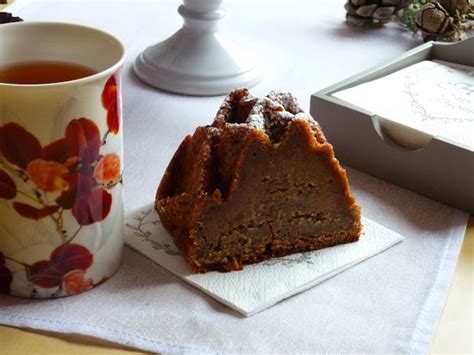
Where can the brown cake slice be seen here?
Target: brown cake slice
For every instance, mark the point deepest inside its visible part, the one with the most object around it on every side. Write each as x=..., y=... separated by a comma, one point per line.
x=261, y=182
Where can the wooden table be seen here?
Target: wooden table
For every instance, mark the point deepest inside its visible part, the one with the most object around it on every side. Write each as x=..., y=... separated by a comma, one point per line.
x=455, y=332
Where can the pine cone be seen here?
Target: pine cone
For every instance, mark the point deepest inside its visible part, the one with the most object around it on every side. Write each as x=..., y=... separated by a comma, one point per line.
x=433, y=19
x=6, y=17
x=373, y=12
x=463, y=6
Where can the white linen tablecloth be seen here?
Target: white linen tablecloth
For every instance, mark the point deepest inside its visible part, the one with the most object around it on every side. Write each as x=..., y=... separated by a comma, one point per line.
x=391, y=303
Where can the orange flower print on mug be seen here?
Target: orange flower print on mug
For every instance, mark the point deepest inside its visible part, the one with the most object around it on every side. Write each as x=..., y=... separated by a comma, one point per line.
x=107, y=169
x=76, y=282
x=47, y=175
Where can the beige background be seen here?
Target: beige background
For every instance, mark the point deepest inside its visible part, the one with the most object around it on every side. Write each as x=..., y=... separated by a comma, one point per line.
x=455, y=331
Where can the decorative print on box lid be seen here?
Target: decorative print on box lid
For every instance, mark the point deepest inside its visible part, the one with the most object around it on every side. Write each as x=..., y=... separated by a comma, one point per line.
x=433, y=97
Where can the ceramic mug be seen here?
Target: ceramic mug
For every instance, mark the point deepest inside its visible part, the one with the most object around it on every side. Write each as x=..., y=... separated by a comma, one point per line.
x=61, y=159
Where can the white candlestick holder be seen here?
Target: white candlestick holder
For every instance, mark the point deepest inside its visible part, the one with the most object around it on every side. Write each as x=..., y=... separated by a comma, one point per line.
x=197, y=60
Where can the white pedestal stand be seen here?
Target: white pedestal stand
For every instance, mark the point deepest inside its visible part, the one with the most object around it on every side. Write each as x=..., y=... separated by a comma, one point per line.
x=197, y=60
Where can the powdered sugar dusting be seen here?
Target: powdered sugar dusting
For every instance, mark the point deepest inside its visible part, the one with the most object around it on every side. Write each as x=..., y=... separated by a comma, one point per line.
x=273, y=113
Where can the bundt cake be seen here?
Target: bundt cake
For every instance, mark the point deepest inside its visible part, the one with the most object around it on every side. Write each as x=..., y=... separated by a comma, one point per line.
x=260, y=182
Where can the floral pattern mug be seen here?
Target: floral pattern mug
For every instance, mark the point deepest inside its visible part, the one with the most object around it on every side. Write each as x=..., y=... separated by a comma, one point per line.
x=61, y=161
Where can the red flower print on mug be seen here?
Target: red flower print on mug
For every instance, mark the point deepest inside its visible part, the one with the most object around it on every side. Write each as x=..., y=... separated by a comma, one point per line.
x=62, y=151
x=31, y=212
x=63, y=259
x=71, y=166
x=7, y=186
x=78, y=185
x=110, y=101
x=93, y=207
x=19, y=146
x=65, y=183
x=86, y=137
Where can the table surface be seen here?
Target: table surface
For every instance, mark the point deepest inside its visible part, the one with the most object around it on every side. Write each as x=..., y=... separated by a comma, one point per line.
x=455, y=332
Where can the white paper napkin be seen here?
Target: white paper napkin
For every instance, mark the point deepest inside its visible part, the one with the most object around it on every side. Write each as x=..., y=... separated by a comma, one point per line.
x=433, y=97
x=261, y=285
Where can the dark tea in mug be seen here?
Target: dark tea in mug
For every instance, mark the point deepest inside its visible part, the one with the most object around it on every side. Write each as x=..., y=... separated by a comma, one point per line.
x=43, y=72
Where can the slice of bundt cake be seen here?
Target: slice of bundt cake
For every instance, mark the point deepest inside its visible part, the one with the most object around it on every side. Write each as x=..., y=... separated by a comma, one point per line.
x=262, y=181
